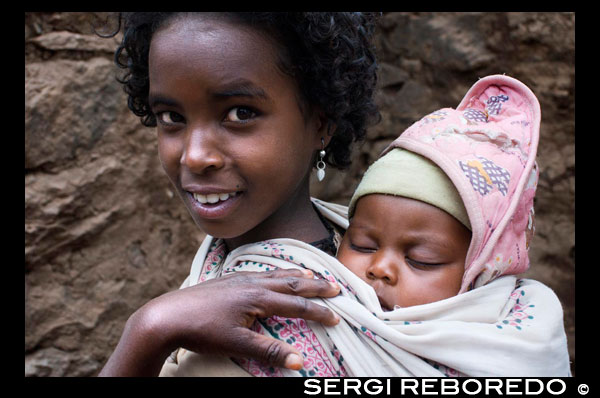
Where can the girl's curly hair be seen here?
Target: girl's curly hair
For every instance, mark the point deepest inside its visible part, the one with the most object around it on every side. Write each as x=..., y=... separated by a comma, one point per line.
x=330, y=55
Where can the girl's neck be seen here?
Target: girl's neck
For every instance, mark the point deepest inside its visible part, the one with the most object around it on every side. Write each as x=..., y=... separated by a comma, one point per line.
x=296, y=219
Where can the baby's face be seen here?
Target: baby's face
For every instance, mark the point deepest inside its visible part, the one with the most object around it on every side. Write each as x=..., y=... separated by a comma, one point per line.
x=410, y=252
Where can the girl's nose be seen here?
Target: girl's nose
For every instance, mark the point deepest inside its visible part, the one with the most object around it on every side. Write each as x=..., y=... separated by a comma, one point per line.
x=202, y=152
x=384, y=269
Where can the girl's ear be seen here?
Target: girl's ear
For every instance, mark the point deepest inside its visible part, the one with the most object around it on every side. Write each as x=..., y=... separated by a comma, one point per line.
x=324, y=129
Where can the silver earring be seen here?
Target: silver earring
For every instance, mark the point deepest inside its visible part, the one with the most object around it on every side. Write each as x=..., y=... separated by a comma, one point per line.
x=321, y=163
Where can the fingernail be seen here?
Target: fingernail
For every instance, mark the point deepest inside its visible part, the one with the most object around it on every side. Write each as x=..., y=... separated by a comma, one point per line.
x=337, y=318
x=294, y=362
x=308, y=273
x=335, y=285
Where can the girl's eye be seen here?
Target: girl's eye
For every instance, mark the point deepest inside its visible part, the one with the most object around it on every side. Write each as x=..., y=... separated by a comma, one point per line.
x=169, y=118
x=240, y=115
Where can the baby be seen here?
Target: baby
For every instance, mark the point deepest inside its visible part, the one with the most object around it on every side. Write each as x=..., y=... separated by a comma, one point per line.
x=449, y=206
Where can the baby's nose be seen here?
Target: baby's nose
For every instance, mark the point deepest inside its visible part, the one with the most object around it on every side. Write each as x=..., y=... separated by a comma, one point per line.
x=383, y=270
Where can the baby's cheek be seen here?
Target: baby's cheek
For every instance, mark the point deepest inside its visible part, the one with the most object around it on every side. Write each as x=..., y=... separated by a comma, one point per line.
x=350, y=261
x=446, y=284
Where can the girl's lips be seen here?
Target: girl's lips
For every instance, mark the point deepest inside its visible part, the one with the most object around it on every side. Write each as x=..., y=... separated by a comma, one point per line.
x=217, y=210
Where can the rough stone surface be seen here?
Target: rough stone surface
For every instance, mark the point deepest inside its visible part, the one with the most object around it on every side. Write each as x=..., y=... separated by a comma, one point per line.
x=104, y=232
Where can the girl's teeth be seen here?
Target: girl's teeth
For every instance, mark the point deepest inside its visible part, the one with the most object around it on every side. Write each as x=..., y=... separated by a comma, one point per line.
x=213, y=197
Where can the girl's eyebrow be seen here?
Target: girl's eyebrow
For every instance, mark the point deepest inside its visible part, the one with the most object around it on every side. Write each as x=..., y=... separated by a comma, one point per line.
x=237, y=88
x=240, y=88
x=154, y=100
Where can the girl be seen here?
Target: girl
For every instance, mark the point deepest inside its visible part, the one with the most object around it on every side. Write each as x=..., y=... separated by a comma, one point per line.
x=245, y=105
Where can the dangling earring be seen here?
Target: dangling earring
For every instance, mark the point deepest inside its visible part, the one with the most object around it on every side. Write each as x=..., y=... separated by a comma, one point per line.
x=321, y=163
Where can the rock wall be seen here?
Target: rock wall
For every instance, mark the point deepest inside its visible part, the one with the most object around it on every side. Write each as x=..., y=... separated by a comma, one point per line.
x=104, y=231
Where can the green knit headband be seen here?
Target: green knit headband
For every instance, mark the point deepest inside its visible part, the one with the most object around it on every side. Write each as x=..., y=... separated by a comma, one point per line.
x=404, y=173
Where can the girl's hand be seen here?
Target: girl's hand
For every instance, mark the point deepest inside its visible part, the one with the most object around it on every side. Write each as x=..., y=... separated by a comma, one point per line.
x=215, y=316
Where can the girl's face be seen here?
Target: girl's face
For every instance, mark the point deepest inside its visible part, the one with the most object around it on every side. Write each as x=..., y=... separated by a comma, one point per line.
x=231, y=135
x=410, y=252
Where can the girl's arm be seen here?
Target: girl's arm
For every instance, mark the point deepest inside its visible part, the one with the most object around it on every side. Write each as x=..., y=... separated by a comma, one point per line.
x=142, y=349
x=215, y=316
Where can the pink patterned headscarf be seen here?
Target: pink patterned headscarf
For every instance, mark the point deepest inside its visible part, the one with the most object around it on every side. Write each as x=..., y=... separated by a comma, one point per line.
x=487, y=147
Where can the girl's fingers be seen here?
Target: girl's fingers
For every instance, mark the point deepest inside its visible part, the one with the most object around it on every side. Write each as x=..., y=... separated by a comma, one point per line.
x=295, y=282
x=290, y=306
x=284, y=293
x=267, y=350
x=236, y=300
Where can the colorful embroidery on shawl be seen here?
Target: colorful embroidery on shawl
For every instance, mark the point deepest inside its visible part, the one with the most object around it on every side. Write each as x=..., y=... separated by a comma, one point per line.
x=367, y=332
x=447, y=371
x=339, y=358
x=518, y=314
x=256, y=368
x=296, y=332
x=326, y=275
x=274, y=249
x=214, y=258
x=262, y=266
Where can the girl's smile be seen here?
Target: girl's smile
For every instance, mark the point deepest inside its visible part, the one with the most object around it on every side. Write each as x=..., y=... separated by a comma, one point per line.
x=215, y=204
x=232, y=137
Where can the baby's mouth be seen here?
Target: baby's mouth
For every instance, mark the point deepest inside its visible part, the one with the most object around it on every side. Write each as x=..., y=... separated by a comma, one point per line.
x=384, y=305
